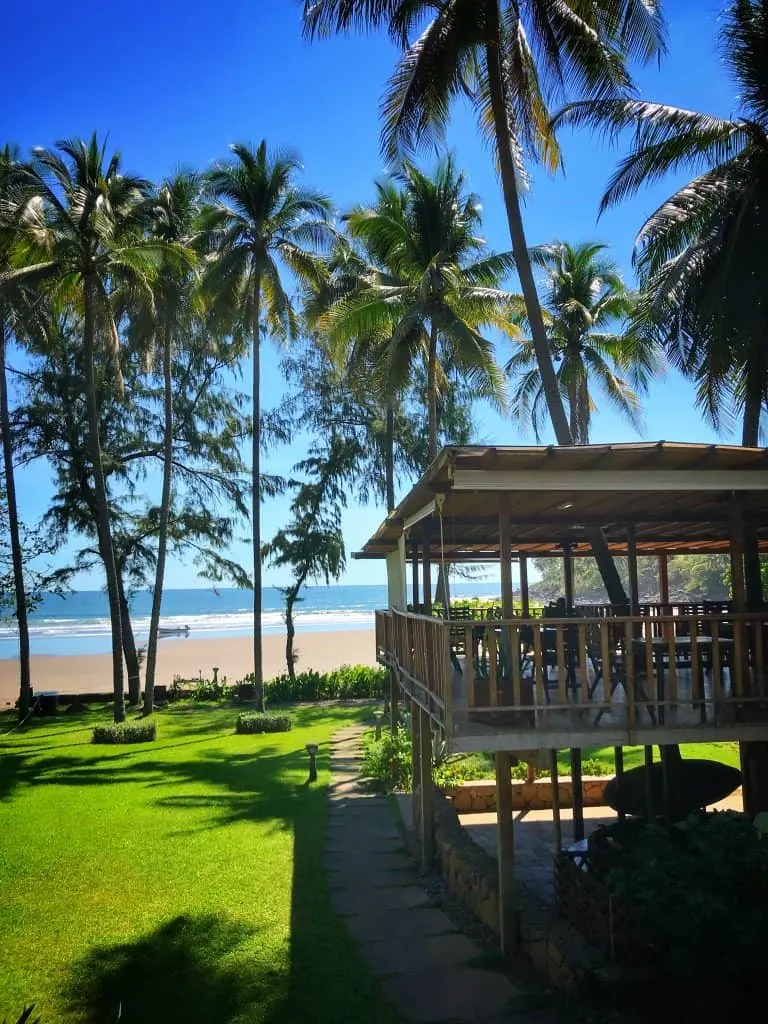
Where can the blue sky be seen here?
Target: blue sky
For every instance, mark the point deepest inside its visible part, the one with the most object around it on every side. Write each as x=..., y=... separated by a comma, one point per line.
x=174, y=83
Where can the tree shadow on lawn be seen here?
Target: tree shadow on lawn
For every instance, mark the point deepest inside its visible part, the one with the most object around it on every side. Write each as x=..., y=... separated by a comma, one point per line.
x=183, y=971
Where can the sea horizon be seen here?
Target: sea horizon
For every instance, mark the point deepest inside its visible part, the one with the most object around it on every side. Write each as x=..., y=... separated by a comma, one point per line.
x=78, y=622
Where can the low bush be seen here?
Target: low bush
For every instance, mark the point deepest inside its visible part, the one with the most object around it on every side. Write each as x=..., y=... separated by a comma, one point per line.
x=349, y=682
x=126, y=732
x=256, y=722
x=388, y=760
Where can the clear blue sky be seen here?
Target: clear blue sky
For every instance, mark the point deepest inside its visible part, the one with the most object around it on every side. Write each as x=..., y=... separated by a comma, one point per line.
x=174, y=83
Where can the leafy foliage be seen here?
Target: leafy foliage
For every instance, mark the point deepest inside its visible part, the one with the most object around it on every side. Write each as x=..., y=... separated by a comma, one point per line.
x=388, y=760
x=125, y=732
x=349, y=682
x=258, y=722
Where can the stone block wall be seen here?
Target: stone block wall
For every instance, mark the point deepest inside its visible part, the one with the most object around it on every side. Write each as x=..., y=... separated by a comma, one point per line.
x=526, y=796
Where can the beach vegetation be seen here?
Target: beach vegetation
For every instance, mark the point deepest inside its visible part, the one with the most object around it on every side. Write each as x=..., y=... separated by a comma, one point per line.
x=177, y=881
x=260, y=224
x=125, y=732
x=260, y=721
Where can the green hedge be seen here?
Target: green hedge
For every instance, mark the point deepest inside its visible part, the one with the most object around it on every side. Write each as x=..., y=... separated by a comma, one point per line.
x=126, y=732
x=256, y=722
x=350, y=682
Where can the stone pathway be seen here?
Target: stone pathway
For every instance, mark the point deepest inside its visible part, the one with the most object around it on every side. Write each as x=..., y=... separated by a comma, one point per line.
x=425, y=964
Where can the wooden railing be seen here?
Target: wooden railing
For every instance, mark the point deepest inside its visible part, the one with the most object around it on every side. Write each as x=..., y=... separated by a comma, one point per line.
x=667, y=670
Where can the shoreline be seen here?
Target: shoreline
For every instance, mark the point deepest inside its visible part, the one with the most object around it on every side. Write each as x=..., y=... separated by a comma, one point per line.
x=187, y=657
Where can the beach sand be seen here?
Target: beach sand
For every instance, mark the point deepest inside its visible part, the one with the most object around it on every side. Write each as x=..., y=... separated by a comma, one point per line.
x=188, y=657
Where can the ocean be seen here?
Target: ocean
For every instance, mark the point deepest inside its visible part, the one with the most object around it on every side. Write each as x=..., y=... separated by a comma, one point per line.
x=79, y=622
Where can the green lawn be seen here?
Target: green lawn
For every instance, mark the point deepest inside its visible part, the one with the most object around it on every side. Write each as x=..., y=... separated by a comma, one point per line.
x=180, y=880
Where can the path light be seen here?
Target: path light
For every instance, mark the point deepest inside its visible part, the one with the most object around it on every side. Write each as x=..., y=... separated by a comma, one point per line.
x=377, y=717
x=312, y=749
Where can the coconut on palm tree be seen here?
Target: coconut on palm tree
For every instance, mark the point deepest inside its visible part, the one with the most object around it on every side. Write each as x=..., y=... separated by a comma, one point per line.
x=262, y=223
x=89, y=226
x=513, y=59
x=587, y=308
x=429, y=291
x=699, y=255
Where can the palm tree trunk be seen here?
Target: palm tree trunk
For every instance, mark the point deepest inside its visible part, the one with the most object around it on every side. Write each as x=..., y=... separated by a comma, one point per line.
x=389, y=455
x=130, y=653
x=106, y=547
x=162, y=536
x=750, y=438
x=290, y=632
x=432, y=391
x=605, y=563
x=573, y=424
x=25, y=676
x=258, y=680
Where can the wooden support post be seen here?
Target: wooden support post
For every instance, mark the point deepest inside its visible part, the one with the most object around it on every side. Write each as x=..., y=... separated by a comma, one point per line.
x=427, y=809
x=738, y=587
x=650, y=810
x=557, y=824
x=507, y=591
x=618, y=760
x=393, y=698
x=663, y=579
x=427, y=574
x=578, y=795
x=505, y=842
x=415, y=575
x=415, y=762
x=526, y=608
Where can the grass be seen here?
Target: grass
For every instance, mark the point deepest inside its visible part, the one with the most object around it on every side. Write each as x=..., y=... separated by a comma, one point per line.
x=180, y=880
x=480, y=766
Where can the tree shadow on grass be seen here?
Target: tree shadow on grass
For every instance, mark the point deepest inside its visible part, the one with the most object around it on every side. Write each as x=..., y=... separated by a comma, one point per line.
x=183, y=971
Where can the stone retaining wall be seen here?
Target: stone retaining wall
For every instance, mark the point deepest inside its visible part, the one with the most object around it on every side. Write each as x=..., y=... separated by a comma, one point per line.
x=526, y=796
x=554, y=948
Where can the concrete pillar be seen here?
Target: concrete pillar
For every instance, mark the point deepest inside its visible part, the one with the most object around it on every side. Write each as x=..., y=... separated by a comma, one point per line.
x=505, y=841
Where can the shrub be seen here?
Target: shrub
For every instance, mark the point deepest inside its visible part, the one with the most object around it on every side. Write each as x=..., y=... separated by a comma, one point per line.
x=256, y=722
x=126, y=732
x=349, y=682
x=698, y=891
x=388, y=760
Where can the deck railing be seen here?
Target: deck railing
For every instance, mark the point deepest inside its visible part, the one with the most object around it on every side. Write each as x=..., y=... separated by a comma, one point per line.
x=686, y=669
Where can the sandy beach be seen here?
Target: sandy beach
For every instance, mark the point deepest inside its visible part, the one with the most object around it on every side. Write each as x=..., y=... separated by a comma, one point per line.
x=190, y=657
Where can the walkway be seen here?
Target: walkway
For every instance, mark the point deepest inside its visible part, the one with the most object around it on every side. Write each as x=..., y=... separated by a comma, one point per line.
x=425, y=964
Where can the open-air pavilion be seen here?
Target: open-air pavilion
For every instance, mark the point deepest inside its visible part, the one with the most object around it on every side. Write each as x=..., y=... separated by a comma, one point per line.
x=614, y=674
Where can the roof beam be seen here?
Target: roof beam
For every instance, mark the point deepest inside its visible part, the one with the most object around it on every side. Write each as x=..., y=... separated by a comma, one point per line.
x=611, y=480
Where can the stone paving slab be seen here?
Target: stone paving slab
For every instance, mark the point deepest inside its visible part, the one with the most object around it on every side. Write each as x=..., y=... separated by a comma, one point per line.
x=396, y=924
x=459, y=994
x=361, y=877
x=365, y=900
x=419, y=956
x=348, y=860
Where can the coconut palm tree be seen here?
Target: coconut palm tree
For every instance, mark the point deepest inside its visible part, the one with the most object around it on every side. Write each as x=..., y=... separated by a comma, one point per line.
x=88, y=224
x=431, y=285
x=174, y=218
x=586, y=308
x=698, y=256
x=512, y=58
x=261, y=223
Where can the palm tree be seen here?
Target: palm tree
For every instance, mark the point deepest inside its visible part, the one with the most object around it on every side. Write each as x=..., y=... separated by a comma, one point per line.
x=174, y=219
x=511, y=58
x=431, y=284
x=587, y=306
x=698, y=256
x=89, y=226
x=262, y=222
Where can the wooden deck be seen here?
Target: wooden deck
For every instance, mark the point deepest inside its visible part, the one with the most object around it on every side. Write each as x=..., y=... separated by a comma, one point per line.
x=674, y=674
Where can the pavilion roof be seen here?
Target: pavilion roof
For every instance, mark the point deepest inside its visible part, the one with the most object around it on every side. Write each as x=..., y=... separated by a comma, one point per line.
x=678, y=498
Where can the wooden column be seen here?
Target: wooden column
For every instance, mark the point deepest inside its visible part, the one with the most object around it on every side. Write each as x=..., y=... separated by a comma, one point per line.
x=526, y=609
x=393, y=698
x=426, y=810
x=505, y=841
x=618, y=758
x=416, y=762
x=578, y=795
x=738, y=585
x=415, y=575
x=650, y=809
x=427, y=574
x=507, y=591
x=634, y=583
